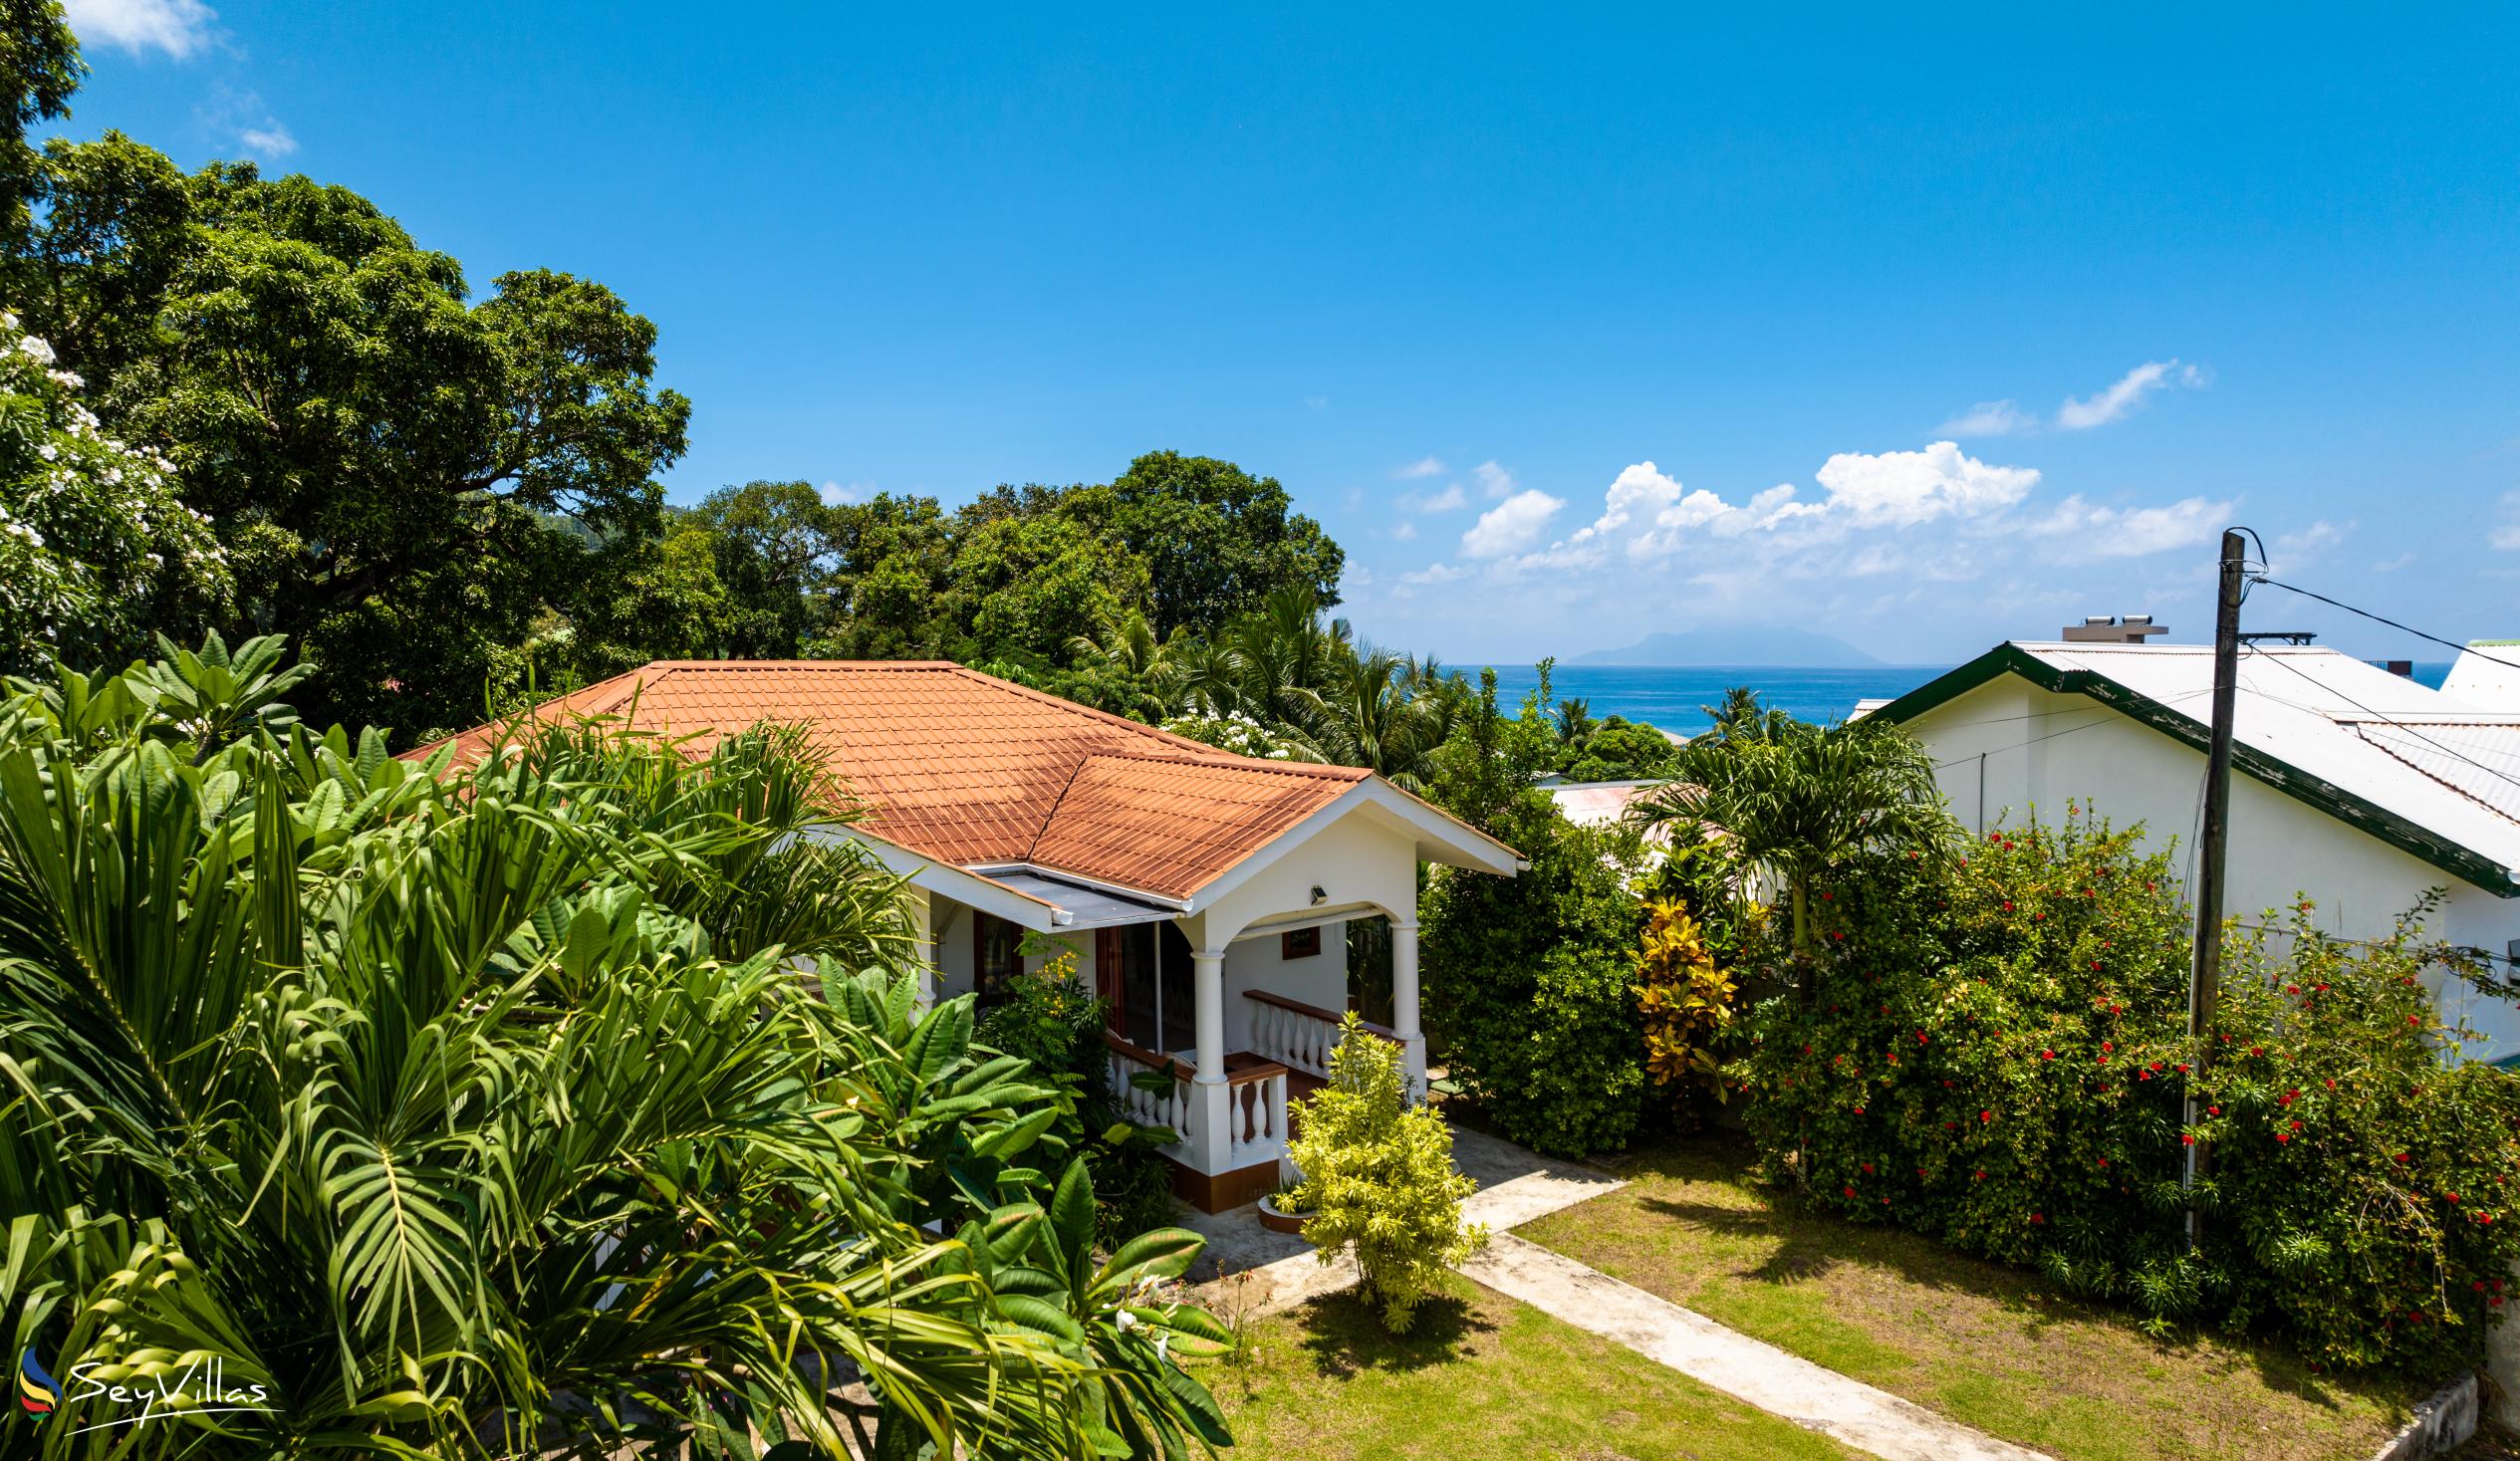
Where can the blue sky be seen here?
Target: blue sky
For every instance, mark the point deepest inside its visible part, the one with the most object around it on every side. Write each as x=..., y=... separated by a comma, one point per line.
x=1541, y=315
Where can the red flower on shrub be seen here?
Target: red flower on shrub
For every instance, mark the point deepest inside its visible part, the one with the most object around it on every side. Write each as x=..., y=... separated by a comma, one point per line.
x=2108, y=1045
x=1987, y=1115
x=2038, y=1217
x=2283, y=1135
x=1977, y=1177
x=2047, y=1055
x=1850, y=1191
x=2186, y=1140
x=2214, y=1111
x=1868, y=1169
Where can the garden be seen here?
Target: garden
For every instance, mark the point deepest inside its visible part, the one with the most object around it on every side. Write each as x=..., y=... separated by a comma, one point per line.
x=1917, y=1106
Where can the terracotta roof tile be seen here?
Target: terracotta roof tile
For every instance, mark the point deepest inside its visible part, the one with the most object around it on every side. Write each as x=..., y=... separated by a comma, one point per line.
x=972, y=770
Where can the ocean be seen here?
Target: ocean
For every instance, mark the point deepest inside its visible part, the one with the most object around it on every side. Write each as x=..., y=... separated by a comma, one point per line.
x=1670, y=697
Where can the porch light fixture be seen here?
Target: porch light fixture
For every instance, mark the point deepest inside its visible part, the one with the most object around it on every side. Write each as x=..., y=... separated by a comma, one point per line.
x=1318, y=895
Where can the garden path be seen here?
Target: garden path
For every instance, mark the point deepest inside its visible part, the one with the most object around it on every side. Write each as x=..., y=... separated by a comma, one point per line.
x=1257, y=1273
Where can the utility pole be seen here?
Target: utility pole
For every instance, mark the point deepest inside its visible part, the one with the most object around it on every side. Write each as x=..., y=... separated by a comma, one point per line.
x=2205, y=979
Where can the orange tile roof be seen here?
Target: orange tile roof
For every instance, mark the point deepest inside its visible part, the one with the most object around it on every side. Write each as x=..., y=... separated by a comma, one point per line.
x=971, y=770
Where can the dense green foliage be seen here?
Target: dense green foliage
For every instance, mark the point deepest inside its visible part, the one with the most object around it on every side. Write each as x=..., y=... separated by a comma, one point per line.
x=570, y=1098
x=1378, y=1186
x=1530, y=981
x=1992, y=1048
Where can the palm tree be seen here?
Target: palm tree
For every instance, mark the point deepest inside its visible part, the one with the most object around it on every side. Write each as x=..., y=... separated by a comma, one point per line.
x=486, y=1109
x=1371, y=716
x=1574, y=720
x=1794, y=800
x=1741, y=718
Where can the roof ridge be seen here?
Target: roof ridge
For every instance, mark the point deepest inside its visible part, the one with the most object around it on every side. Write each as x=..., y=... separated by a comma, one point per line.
x=1326, y=769
x=1156, y=734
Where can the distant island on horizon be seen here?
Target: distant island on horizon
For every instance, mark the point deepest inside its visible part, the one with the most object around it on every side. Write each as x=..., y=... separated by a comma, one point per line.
x=1745, y=646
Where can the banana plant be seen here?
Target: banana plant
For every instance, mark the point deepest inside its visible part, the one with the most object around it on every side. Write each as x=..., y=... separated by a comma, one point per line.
x=1116, y=1316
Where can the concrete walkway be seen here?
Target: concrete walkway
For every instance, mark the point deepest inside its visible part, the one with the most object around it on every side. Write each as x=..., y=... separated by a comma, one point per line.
x=1743, y=1368
x=1259, y=1273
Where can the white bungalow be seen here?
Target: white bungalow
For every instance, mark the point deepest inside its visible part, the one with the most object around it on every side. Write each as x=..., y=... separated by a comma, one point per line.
x=2352, y=785
x=1205, y=896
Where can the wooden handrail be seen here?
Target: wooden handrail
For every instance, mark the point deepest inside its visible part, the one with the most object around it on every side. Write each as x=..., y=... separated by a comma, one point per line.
x=1261, y=1071
x=1326, y=1017
x=1146, y=1058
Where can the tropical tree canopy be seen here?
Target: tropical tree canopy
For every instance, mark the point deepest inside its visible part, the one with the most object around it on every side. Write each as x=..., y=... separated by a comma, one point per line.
x=1793, y=800
x=565, y=1100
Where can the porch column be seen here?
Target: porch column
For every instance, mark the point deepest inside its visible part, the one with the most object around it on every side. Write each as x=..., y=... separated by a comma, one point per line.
x=923, y=945
x=1208, y=1096
x=1404, y=1005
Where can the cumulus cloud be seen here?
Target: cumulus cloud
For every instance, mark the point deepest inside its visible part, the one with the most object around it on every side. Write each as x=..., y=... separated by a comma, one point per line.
x=271, y=142
x=2128, y=393
x=2108, y=532
x=177, y=28
x=1905, y=488
x=1494, y=480
x=1989, y=418
x=1448, y=500
x=1404, y=530
x=2304, y=544
x=2392, y=564
x=1512, y=525
x=1424, y=467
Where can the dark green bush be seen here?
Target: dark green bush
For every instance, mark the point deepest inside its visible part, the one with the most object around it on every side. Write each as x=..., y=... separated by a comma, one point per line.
x=1994, y=1050
x=1530, y=982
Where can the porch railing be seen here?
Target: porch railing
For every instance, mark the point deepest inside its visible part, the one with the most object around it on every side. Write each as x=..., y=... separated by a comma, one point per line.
x=1168, y=1106
x=1298, y=1035
x=1255, y=1113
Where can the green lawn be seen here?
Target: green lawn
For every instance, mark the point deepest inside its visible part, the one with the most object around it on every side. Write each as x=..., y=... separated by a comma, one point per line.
x=1987, y=1346
x=1479, y=1376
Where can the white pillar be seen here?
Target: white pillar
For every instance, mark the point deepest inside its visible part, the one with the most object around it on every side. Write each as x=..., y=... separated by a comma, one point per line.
x=1404, y=1005
x=1209, y=1097
x=925, y=944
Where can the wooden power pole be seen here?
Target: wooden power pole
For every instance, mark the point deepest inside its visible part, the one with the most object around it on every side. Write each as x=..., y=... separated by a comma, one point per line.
x=2205, y=979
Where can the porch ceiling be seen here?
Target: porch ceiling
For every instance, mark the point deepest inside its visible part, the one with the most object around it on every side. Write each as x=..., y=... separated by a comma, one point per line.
x=1086, y=907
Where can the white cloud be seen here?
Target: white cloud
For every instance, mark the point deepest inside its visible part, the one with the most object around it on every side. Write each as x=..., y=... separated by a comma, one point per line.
x=1406, y=531
x=271, y=142
x=2506, y=534
x=2303, y=545
x=1512, y=525
x=1905, y=488
x=840, y=494
x=2392, y=564
x=241, y=119
x=1424, y=467
x=1448, y=500
x=1989, y=418
x=1494, y=480
x=2108, y=532
x=177, y=27
x=2125, y=394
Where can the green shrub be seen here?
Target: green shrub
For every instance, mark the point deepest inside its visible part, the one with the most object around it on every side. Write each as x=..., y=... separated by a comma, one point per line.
x=1993, y=1049
x=1530, y=982
x=1378, y=1180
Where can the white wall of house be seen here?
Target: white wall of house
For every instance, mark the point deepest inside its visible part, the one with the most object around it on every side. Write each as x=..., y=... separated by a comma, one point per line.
x=1255, y=963
x=2008, y=748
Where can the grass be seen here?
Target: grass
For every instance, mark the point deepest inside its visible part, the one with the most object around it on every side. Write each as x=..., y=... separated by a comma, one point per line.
x=1478, y=1376
x=1987, y=1346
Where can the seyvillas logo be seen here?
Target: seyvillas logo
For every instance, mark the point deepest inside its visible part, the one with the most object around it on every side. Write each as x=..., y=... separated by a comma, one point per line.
x=38, y=1392
x=198, y=1389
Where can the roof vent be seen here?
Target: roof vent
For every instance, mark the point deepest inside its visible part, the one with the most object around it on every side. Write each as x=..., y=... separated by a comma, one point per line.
x=2106, y=628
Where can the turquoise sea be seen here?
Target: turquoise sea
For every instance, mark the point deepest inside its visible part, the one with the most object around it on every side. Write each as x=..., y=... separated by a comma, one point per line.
x=1672, y=696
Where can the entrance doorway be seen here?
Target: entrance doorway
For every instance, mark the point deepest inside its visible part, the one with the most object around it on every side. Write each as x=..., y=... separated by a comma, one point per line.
x=1143, y=973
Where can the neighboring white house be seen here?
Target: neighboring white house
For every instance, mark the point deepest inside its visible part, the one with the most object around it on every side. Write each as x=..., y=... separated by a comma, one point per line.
x=1205, y=896
x=2355, y=787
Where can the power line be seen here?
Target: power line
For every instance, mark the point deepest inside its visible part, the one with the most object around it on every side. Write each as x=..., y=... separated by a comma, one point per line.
x=2383, y=719
x=2393, y=623
x=2109, y=715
